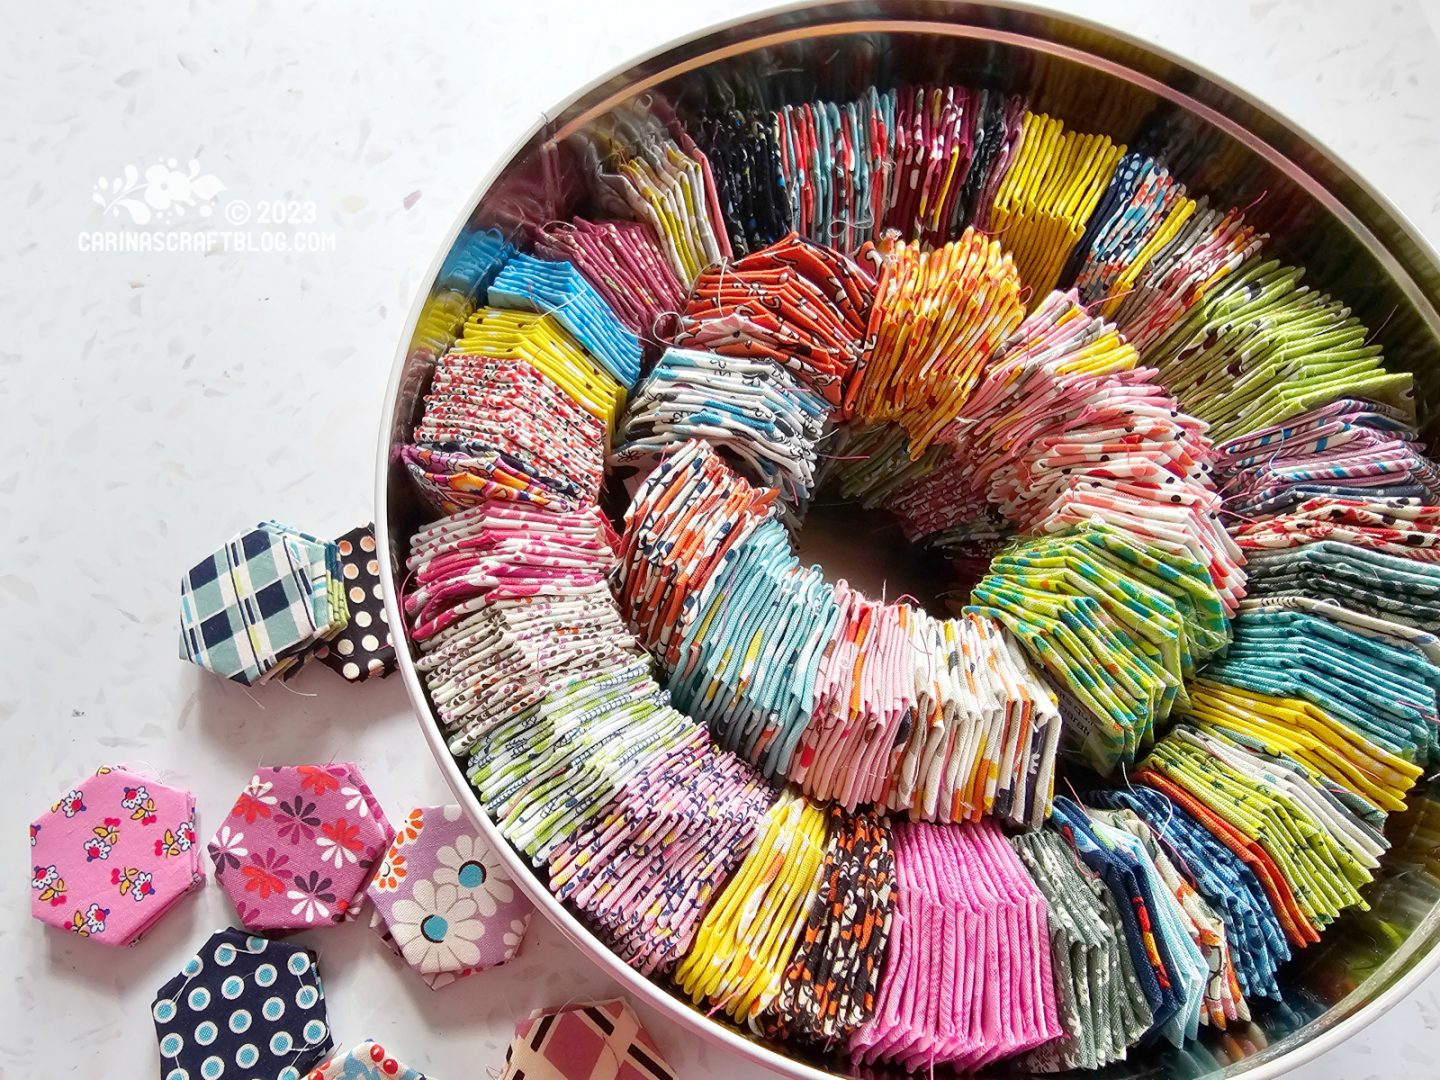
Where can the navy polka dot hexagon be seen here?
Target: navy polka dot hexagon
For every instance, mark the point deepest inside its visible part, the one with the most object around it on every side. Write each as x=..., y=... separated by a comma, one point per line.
x=243, y=1007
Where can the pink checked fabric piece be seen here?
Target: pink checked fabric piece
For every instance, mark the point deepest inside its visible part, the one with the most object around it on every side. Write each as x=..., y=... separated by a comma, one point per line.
x=443, y=900
x=603, y=1041
x=299, y=845
x=112, y=855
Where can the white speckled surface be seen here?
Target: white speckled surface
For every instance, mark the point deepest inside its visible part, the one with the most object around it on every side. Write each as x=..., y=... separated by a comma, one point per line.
x=155, y=403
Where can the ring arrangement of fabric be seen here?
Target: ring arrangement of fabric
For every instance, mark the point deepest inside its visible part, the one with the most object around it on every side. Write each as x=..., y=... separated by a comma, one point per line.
x=243, y=1005
x=1193, y=527
x=873, y=702
x=299, y=846
x=1124, y=576
x=112, y=855
x=443, y=901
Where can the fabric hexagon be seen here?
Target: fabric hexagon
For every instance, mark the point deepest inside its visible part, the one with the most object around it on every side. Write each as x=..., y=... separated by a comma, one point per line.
x=603, y=1041
x=443, y=899
x=256, y=608
x=368, y=1061
x=363, y=648
x=299, y=845
x=243, y=1007
x=112, y=855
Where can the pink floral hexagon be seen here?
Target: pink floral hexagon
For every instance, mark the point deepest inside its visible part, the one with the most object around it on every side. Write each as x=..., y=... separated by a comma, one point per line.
x=299, y=845
x=444, y=901
x=112, y=855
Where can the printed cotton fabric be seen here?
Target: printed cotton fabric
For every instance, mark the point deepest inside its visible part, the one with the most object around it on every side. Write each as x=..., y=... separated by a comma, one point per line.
x=299, y=845
x=242, y=1006
x=363, y=648
x=443, y=899
x=112, y=855
x=368, y=1061
x=254, y=609
x=588, y=1042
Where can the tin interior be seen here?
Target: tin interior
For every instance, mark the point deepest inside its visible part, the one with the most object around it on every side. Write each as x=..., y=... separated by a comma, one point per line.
x=1218, y=142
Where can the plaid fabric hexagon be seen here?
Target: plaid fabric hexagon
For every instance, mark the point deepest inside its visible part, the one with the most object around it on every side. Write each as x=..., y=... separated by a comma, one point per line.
x=112, y=855
x=368, y=1061
x=255, y=608
x=242, y=1006
x=443, y=900
x=299, y=845
x=603, y=1041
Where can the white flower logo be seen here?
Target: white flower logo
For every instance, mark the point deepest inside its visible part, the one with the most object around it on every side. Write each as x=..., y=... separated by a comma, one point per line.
x=167, y=192
x=166, y=187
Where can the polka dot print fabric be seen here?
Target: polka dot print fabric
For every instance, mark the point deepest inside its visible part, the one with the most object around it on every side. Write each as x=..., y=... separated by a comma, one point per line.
x=243, y=1007
x=363, y=649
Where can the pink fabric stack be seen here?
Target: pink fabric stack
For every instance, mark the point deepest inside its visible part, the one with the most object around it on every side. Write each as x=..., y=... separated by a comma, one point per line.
x=968, y=977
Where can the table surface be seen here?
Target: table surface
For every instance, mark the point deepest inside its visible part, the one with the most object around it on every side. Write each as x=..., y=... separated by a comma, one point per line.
x=184, y=396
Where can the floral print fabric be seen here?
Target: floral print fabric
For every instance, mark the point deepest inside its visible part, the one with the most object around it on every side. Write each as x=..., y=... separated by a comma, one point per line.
x=444, y=901
x=112, y=855
x=299, y=845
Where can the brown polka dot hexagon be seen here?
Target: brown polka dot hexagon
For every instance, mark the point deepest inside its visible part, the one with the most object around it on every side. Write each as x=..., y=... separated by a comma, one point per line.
x=363, y=650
